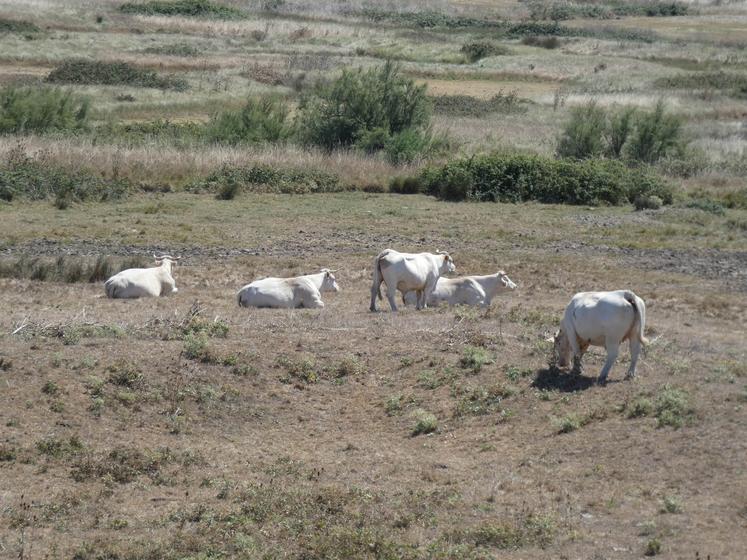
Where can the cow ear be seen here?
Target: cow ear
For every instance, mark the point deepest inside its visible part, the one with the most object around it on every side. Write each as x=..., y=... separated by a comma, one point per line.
x=446, y=257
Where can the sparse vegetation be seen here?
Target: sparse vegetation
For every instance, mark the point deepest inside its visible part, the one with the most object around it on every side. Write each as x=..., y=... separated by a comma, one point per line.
x=425, y=422
x=477, y=50
x=475, y=358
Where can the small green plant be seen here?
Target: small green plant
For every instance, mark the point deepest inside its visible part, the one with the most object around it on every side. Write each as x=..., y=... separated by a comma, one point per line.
x=51, y=388
x=7, y=453
x=480, y=401
x=570, y=423
x=196, y=346
x=672, y=407
x=125, y=374
x=671, y=504
x=17, y=26
x=653, y=547
x=349, y=366
x=298, y=372
x=425, y=422
x=640, y=407
x=393, y=405
x=647, y=202
x=55, y=447
x=475, y=358
x=57, y=406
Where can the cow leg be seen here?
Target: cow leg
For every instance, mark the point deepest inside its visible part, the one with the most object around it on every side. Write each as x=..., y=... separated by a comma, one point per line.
x=635, y=351
x=613, y=347
x=390, y=295
x=374, y=292
x=576, y=352
x=421, y=299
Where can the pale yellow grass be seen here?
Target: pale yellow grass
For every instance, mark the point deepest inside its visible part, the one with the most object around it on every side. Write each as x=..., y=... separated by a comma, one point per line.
x=160, y=162
x=485, y=89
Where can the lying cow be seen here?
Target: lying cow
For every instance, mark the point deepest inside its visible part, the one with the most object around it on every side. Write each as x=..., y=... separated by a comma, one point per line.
x=408, y=272
x=466, y=290
x=301, y=291
x=144, y=282
x=601, y=319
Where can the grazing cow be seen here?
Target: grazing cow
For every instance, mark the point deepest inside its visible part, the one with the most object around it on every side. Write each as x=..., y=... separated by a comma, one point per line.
x=144, y=282
x=601, y=319
x=301, y=291
x=406, y=272
x=466, y=290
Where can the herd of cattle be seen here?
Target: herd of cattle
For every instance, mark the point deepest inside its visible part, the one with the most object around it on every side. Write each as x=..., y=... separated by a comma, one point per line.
x=590, y=319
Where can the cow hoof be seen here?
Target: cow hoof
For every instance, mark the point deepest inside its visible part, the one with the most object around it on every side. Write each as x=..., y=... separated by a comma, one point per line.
x=602, y=381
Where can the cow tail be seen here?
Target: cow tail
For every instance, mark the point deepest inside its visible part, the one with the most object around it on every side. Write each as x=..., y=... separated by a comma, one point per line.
x=639, y=323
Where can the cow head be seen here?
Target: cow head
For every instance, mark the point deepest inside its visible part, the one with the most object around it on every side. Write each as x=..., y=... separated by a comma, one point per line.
x=166, y=260
x=447, y=263
x=508, y=284
x=329, y=284
x=561, y=349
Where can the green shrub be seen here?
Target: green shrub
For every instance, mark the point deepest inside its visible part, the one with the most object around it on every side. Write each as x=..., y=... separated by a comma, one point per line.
x=266, y=179
x=672, y=407
x=475, y=358
x=545, y=42
x=41, y=109
x=112, y=74
x=262, y=119
x=618, y=131
x=341, y=112
x=646, y=202
x=706, y=205
x=428, y=19
x=653, y=547
x=406, y=185
x=189, y=8
x=17, y=26
x=372, y=141
x=477, y=50
x=728, y=82
x=517, y=177
x=181, y=134
x=407, y=145
x=425, y=422
x=656, y=135
x=583, y=135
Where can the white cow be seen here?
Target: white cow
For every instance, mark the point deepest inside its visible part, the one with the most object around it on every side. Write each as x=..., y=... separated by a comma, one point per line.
x=466, y=290
x=406, y=272
x=144, y=282
x=300, y=291
x=601, y=319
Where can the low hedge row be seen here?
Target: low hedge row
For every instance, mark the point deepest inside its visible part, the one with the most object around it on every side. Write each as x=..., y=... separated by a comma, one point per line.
x=519, y=178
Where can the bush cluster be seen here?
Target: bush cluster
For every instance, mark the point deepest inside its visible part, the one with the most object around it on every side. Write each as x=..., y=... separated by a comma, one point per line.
x=112, y=74
x=729, y=83
x=545, y=42
x=17, y=26
x=427, y=19
x=643, y=136
x=375, y=109
x=25, y=178
x=229, y=180
x=517, y=177
x=189, y=8
x=41, y=109
x=557, y=11
x=468, y=106
x=477, y=50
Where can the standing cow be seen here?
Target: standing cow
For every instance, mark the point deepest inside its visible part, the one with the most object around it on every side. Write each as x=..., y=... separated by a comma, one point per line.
x=144, y=282
x=601, y=319
x=406, y=272
x=300, y=291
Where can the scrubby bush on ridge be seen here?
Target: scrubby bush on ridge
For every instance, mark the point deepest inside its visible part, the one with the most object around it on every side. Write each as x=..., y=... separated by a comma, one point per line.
x=517, y=178
x=190, y=8
x=112, y=74
x=262, y=119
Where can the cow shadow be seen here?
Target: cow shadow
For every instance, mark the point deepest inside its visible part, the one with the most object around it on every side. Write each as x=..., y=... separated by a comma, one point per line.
x=554, y=379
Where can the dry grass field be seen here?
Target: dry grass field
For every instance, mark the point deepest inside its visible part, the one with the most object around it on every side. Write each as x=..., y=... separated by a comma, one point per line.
x=185, y=427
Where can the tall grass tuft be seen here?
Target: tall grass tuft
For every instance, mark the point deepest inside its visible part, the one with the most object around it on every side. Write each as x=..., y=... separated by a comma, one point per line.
x=262, y=119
